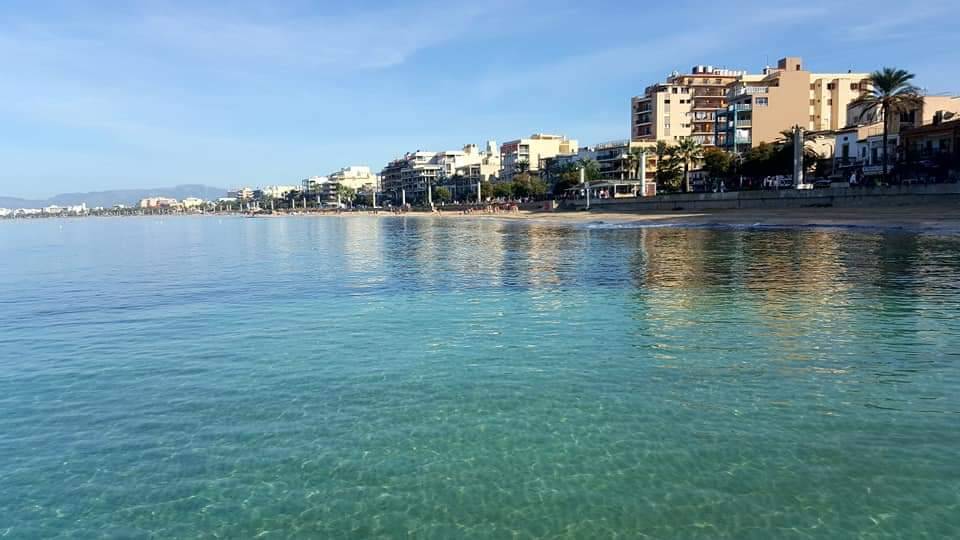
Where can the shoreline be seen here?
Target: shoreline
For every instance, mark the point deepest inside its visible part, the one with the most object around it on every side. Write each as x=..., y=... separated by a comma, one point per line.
x=935, y=217
x=927, y=217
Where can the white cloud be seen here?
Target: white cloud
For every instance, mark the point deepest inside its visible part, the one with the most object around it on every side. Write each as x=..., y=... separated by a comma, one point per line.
x=358, y=40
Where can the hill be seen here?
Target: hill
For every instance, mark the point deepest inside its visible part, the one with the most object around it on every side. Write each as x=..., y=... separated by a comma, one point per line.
x=119, y=196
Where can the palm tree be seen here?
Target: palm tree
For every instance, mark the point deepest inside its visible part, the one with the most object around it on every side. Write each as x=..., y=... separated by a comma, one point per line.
x=688, y=151
x=891, y=92
x=345, y=192
x=591, y=171
x=521, y=166
x=639, y=156
x=784, y=148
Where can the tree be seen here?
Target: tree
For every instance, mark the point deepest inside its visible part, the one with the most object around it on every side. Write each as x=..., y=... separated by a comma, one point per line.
x=634, y=159
x=568, y=176
x=443, y=194
x=670, y=172
x=503, y=190
x=784, y=153
x=292, y=196
x=668, y=176
x=538, y=188
x=486, y=190
x=688, y=152
x=591, y=170
x=521, y=166
x=528, y=185
x=718, y=163
x=345, y=193
x=520, y=187
x=760, y=161
x=890, y=92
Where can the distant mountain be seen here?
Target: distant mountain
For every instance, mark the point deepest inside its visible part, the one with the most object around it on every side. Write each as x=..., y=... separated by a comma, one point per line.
x=119, y=196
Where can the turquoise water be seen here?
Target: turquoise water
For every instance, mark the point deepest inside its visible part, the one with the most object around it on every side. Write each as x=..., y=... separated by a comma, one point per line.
x=431, y=378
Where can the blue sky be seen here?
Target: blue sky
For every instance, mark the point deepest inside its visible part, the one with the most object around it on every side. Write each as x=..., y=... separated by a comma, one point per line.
x=119, y=94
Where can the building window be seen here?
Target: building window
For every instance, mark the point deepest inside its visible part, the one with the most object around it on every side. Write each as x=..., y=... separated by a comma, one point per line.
x=674, y=90
x=813, y=102
x=761, y=101
x=830, y=102
x=854, y=86
x=831, y=86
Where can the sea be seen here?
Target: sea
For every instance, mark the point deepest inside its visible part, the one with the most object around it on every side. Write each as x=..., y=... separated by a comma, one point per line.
x=459, y=377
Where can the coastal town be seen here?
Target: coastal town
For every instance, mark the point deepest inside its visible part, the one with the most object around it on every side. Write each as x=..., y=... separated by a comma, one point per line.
x=707, y=130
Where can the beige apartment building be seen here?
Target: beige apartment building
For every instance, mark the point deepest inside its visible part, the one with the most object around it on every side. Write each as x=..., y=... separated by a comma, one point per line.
x=356, y=177
x=760, y=107
x=683, y=106
x=532, y=151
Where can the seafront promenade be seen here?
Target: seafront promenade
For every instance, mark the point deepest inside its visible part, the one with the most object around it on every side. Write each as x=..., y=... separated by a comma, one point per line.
x=784, y=198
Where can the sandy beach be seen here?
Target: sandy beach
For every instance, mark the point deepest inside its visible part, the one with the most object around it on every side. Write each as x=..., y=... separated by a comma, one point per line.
x=945, y=217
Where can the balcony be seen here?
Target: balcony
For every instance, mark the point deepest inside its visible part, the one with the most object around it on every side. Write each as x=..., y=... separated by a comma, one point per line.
x=707, y=105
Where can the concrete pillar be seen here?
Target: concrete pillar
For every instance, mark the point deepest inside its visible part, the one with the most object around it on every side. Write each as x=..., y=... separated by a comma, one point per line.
x=479, y=193
x=797, y=156
x=583, y=181
x=403, y=197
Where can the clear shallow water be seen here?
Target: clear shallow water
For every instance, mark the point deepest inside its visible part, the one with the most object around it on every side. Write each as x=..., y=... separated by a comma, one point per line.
x=441, y=379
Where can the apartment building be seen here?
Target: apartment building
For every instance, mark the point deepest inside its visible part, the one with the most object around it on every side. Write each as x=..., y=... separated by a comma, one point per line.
x=276, y=192
x=407, y=178
x=858, y=148
x=480, y=166
x=532, y=151
x=313, y=184
x=157, y=202
x=683, y=106
x=760, y=107
x=613, y=162
x=243, y=194
x=475, y=166
x=356, y=177
x=937, y=140
x=192, y=202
